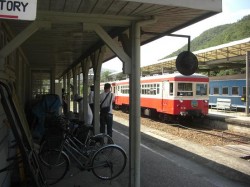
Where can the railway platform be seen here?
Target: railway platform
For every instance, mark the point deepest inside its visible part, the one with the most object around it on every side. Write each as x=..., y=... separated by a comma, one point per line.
x=170, y=161
x=231, y=120
x=233, y=115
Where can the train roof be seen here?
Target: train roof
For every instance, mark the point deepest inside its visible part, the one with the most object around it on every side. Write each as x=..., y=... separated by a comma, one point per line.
x=170, y=75
x=228, y=77
x=176, y=74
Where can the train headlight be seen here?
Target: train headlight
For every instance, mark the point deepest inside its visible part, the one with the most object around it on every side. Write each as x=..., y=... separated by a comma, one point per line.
x=181, y=101
x=205, y=101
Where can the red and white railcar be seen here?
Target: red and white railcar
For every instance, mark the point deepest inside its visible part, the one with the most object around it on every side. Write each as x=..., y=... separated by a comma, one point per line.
x=169, y=95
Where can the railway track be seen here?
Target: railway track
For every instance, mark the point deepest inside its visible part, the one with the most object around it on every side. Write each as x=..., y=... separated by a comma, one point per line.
x=218, y=139
x=197, y=133
x=224, y=135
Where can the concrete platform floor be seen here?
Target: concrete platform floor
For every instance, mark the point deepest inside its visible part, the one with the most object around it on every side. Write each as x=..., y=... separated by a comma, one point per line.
x=169, y=161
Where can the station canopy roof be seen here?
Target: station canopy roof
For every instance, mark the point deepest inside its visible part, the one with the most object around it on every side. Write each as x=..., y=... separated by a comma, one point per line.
x=226, y=56
x=64, y=40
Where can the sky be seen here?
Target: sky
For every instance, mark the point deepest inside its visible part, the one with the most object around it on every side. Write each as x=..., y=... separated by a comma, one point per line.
x=232, y=11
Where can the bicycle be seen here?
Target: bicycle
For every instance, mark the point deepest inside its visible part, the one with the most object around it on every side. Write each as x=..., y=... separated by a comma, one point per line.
x=77, y=130
x=106, y=162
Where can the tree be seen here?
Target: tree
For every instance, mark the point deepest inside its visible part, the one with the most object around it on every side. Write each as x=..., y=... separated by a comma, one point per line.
x=220, y=35
x=105, y=76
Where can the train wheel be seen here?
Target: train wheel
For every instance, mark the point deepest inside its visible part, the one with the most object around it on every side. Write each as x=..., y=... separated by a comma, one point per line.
x=125, y=108
x=161, y=117
x=169, y=118
x=142, y=112
x=153, y=113
x=116, y=107
x=185, y=120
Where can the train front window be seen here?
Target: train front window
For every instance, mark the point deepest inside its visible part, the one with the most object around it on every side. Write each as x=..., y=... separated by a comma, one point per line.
x=201, y=89
x=185, y=89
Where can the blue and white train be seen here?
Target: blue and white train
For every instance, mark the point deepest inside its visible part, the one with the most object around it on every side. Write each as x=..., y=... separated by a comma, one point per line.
x=230, y=87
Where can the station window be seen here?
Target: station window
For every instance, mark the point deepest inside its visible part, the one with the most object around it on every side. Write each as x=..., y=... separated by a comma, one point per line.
x=216, y=90
x=225, y=90
x=235, y=90
x=201, y=89
x=40, y=83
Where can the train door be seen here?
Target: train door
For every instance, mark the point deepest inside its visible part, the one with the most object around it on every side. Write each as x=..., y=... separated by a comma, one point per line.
x=165, y=88
x=113, y=89
x=116, y=92
x=165, y=94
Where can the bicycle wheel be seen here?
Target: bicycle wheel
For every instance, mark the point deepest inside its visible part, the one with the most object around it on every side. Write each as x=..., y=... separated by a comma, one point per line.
x=109, y=162
x=51, y=142
x=55, y=165
x=99, y=140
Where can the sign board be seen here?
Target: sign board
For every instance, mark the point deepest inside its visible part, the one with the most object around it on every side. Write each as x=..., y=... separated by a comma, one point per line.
x=18, y=9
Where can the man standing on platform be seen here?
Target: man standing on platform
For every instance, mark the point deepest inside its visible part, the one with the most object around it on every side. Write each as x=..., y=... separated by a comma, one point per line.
x=106, y=105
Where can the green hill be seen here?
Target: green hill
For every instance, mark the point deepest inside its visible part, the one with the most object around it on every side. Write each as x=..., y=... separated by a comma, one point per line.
x=219, y=35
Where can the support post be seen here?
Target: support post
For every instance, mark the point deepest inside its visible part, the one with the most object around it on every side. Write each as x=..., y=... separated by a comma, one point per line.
x=64, y=81
x=85, y=70
x=78, y=86
x=112, y=45
x=52, y=80
x=247, y=81
x=134, y=113
x=97, y=59
x=79, y=81
x=74, y=88
x=68, y=91
x=135, y=107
